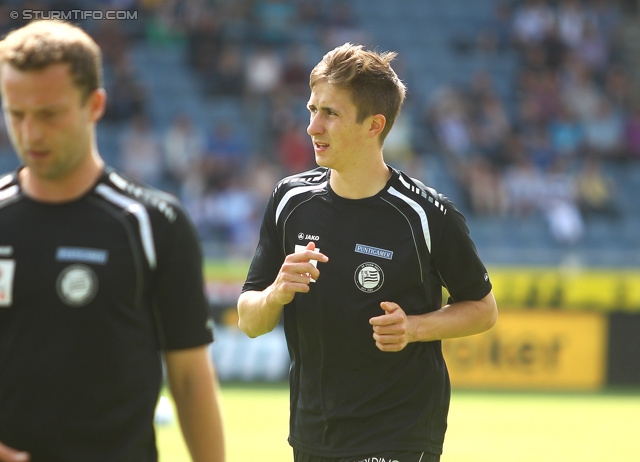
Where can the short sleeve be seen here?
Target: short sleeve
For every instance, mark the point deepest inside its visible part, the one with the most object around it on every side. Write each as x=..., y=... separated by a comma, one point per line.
x=457, y=261
x=180, y=298
x=269, y=254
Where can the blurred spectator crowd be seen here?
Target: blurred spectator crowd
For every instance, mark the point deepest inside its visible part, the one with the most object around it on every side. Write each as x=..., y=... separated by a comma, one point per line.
x=573, y=111
x=543, y=150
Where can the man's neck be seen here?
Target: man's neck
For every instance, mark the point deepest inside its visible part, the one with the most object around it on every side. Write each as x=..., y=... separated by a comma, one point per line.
x=64, y=189
x=360, y=184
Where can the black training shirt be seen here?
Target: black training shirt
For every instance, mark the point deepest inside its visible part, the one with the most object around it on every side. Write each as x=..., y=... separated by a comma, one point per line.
x=90, y=292
x=401, y=245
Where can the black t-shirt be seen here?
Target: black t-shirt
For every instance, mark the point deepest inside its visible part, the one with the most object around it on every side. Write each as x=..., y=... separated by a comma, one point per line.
x=402, y=245
x=91, y=291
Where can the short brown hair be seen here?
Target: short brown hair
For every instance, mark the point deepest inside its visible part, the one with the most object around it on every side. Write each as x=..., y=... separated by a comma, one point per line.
x=42, y=43
x=374, y=85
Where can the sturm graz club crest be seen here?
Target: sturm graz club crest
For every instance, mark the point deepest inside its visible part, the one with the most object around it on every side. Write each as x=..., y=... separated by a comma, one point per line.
x=369, y=277
x=77, y=285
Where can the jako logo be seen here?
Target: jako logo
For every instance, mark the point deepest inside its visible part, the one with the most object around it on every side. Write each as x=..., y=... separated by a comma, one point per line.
x=308, y=237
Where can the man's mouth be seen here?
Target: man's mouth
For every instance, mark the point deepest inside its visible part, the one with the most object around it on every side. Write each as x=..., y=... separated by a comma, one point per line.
x=36, y=153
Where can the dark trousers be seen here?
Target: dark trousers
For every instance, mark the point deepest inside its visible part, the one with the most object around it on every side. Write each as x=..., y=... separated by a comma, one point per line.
x=383, y=456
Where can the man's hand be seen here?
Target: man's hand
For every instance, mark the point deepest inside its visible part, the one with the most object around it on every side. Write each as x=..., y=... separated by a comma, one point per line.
x=260, y=311
x=391, y=330
x=296, y=273
x=8, y=454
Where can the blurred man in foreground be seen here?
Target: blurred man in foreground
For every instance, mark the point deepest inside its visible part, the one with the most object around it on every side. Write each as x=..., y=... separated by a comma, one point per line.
x=99, y=274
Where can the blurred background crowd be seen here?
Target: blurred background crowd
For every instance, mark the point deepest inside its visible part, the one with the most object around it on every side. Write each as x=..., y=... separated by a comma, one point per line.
x=525, y=112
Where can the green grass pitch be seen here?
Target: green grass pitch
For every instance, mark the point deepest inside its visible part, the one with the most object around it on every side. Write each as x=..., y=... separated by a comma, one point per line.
x=483, y=427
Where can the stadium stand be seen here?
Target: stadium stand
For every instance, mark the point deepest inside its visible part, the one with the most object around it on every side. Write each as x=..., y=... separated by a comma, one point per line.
x=453, y=55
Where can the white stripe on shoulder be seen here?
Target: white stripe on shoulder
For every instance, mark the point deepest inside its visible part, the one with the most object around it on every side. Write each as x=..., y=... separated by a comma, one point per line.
x=431, y=190
x=9, y=192
x=294, y=192
x=404, y=182
x=418, y=189
x=140, y=212
x=422, y=191
x=420, y=211
x=5, y=180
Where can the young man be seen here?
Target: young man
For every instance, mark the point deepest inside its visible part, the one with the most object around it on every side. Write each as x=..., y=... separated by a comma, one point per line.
x=98, y=274
x=356, y=254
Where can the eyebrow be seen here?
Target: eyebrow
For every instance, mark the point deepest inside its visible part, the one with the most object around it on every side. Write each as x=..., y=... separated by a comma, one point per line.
x=322, y=108
x=49, y=109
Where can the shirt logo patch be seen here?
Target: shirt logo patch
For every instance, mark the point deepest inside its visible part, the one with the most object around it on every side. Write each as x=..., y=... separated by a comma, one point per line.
x=96, y=256
x=308, y=237
x=77, y=285
x=369, y=277
x=374, y=251
x=7, y=270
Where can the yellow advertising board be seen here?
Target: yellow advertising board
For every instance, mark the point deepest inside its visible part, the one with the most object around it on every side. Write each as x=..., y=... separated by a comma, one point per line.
x=570, y=288
x=567, y=288
x=551, y=350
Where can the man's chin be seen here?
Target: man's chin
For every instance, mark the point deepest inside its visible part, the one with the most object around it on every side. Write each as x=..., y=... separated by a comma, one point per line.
x=322, y=162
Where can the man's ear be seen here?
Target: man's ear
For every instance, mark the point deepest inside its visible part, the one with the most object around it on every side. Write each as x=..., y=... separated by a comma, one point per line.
x=97, y=102
x=377, y=124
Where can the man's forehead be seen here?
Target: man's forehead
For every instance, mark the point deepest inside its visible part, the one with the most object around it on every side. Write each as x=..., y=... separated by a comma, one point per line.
x=38, y=88
x=329, y=95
